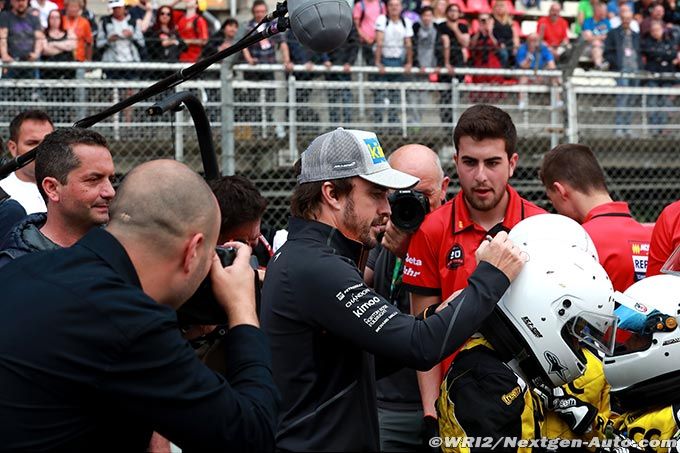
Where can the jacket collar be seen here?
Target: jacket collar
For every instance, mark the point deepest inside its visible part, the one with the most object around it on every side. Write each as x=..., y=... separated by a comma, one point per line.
x=106, y=246
x=299, y=228
x=461, y=219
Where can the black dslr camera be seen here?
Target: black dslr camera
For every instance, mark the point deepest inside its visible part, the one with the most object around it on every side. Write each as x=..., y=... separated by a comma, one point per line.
x=409, y=208
x=202, y=308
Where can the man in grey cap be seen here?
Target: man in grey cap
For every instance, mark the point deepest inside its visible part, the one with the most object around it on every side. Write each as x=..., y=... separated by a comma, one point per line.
x=330, y=334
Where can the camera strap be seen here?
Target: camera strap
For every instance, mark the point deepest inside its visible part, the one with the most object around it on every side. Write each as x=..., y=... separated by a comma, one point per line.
x=395, y=284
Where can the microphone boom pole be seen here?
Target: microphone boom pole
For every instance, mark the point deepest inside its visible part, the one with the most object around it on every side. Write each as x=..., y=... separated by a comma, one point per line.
x=180, y=76
x=185, y=74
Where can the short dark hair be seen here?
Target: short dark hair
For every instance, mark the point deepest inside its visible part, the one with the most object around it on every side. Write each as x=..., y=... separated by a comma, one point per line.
x=239, y=200
x=55, y=157
x=17, y=121
x=426, y=9
x=484, y=121
x=306, y=198
x=258, y=3
x=575, y=165
x=229, y=21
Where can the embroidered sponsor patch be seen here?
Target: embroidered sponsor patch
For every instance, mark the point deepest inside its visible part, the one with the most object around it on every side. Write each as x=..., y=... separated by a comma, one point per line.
x=376, y=151
x=455, y=257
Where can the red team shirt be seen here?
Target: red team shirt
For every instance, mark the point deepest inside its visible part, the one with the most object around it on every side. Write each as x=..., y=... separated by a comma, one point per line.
x=441, y=255
x=665, y=238
x=621, y=242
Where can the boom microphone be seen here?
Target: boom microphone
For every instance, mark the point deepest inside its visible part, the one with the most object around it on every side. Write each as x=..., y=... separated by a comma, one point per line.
x=320, y=25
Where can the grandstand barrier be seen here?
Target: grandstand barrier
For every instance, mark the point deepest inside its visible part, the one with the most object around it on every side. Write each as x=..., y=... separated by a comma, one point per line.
x=263, y=117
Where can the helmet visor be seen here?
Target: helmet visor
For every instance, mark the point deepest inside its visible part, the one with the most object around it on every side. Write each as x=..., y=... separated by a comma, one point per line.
x=594, y=329
x=672, y=264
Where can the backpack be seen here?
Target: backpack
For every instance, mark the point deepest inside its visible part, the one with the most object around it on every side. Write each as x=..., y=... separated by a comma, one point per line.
x=383, y=9
x=141, y=49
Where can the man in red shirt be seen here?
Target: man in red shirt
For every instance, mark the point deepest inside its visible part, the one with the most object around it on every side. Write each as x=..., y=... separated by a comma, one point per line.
x=665, y=238
x=441, y=254
x=553, y=31
x=193, y=29
x=575, y=184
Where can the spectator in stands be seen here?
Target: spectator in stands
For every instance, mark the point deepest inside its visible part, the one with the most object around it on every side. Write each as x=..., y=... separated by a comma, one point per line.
x=594, y=32
x=553, y=31
x=144, y=13
x=672, y=9
x=162, y=39
x=59, y=46
x=345, y=56
x=660, y=52
x=454, y=37
x=193, y=29
x=439, y=11
x=577, y=188
x=533, y=54
x=400, y=412
x=424, y=41
x=302, y=55
x=393, y=48
x=656, y=15
x=364, y=15
x=622, y=52
x=121, y=39
x=91, y=18
x=263, y=52
x=665, y=238
x=222, y=39
x=615, y=21
x=585, y=10
x=613, y=8
x=42, y=8
x=484, y=50
x=26, y=131
x=642, y=9
x=78, y=25
x=75, y=171
x=21, y=38
x=505, y=33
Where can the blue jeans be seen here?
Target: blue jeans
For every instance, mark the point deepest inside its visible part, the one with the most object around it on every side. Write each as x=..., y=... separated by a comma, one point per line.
x=657, y=117
x=391, y=95
x=340, y=96
x=625, y=101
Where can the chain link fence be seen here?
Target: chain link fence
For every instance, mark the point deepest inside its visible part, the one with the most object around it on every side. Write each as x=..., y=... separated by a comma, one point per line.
x=263, y=117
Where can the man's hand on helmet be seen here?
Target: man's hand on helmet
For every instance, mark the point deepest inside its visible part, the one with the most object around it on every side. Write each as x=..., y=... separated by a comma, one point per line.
x=502, y=253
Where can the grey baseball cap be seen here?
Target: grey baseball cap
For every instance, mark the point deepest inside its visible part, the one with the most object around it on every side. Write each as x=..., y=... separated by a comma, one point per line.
x=344, y=153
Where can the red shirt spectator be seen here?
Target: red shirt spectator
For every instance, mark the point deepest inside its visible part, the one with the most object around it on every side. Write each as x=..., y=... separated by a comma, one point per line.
x=193, y=29
x=553, y=28
x=665, y=238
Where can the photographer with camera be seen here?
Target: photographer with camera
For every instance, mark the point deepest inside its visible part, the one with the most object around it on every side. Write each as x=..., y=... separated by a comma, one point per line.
x=400, y=411
x=105, y=364
x=325, y=325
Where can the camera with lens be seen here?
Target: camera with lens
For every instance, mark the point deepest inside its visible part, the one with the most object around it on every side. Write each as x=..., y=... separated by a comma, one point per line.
x=409, y=208
x=202, y=307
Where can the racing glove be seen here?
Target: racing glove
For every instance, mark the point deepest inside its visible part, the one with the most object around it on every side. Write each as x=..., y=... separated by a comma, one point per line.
x=578, y=415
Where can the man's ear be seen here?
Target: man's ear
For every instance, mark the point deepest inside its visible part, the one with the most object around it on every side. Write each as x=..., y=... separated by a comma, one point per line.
x=513, y=164
x=330, y=195
x=12, y=147
x=191, y=252
x=51, y=186
x=561, y=189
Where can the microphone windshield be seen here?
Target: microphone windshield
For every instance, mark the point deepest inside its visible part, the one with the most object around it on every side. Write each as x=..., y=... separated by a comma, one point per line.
x=320, y=25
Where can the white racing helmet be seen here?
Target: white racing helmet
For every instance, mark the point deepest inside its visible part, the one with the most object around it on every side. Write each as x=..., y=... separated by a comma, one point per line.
x=646, y=362
x=548, y=230
x=561, y=299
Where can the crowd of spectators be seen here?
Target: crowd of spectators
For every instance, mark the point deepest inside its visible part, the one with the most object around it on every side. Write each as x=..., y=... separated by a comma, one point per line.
x=423, y=33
